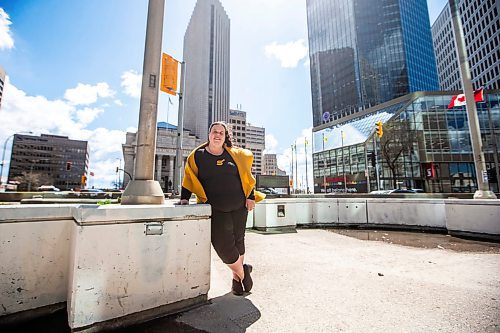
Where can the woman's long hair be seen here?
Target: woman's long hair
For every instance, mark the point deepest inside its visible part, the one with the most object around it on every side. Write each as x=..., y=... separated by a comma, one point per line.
x=227, y=139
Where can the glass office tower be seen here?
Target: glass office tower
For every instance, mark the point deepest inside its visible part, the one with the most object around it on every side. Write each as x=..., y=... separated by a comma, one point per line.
x=364, y=53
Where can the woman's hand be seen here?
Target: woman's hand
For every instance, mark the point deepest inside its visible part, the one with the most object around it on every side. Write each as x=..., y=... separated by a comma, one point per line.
x=250, y=204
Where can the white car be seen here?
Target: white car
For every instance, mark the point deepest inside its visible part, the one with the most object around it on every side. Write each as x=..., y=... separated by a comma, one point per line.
x=48, y=188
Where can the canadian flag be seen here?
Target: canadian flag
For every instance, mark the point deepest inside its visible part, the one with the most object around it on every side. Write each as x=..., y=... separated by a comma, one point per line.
x=459, y=100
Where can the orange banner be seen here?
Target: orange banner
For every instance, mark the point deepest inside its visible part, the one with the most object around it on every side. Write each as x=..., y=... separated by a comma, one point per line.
x=169, y=74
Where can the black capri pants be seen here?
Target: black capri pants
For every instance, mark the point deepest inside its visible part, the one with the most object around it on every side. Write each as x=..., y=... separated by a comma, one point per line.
x=228, y=233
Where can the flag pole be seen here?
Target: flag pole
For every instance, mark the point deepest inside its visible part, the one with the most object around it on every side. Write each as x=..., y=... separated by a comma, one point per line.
x=343, y=163
x=293, y=176
x=305, y=149
x=296, y=167
x=324, y=164
x=483, y=191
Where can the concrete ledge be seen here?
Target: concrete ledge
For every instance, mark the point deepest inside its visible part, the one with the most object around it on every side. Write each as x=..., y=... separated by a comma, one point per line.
x=26, y=213
x=473, y=216
x=407, y=212
x=106, y=214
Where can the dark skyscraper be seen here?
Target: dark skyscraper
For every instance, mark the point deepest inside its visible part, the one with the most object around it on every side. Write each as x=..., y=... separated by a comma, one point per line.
x=364, y=53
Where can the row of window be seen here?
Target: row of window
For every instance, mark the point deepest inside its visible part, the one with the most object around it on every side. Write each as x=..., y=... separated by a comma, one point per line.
x=470, y=19
x=236, y=121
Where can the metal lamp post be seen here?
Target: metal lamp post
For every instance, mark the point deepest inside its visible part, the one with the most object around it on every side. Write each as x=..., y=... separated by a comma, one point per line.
x=143, y=189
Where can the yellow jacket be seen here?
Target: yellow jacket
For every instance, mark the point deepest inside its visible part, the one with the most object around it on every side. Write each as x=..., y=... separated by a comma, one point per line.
x=243, y=159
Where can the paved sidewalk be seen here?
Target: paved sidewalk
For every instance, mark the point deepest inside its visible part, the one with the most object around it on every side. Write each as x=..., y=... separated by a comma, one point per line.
x=320, y=281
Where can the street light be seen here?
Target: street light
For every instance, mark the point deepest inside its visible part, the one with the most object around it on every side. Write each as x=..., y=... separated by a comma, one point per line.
x=117, y=171
x=3, y=153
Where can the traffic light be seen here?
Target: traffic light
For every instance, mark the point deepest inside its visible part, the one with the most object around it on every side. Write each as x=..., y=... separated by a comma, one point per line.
x=83, y=180
x=379, y=129
x=68, y=166
x=371, y=157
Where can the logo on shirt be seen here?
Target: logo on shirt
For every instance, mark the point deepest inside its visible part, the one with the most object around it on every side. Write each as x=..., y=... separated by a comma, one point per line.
x=220, y=162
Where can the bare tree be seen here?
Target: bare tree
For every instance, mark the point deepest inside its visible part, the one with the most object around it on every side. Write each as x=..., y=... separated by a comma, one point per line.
x=397, y=141
x=32, y=180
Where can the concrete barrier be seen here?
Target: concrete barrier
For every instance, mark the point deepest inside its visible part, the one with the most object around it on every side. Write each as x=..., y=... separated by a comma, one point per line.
x=303, y=211
x=131, y=262
x=407, y=212
x=325, y=211
x=34, y=259
x=275, y=215
x=352, y=211
x=472, y=216
x=110, y=265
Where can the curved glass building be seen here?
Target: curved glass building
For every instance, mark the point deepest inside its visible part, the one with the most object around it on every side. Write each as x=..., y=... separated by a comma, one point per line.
x=425, y=145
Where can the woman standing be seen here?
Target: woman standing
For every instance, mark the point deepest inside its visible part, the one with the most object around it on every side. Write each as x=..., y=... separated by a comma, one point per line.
x=220, y=175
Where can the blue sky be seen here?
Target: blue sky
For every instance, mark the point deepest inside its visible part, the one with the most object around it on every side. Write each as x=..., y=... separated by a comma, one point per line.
x=74, y=69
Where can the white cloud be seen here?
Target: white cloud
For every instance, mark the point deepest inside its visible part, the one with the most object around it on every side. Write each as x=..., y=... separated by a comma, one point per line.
x=87, y=115
x=85, y=94
x=288, y=54
x=22, y=113
x=118, y=102
x=131, y=83
x=299, y=160
x=271, y=144
x=6, y=40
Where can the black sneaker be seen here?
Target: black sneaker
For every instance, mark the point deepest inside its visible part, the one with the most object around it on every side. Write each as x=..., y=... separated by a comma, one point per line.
x=247, y=281
x=237, y=288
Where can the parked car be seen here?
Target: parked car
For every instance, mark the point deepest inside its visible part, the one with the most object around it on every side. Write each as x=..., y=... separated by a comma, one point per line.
x=267, y=190
x=396, y=191
x=400, y=190
x=94, y=192
x=48, y=188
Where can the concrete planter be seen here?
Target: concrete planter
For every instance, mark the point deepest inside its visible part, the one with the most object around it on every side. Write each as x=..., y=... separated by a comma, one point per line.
x=275, y=215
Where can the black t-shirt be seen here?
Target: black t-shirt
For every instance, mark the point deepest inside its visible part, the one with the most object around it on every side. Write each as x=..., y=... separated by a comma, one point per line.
x=218, y=174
